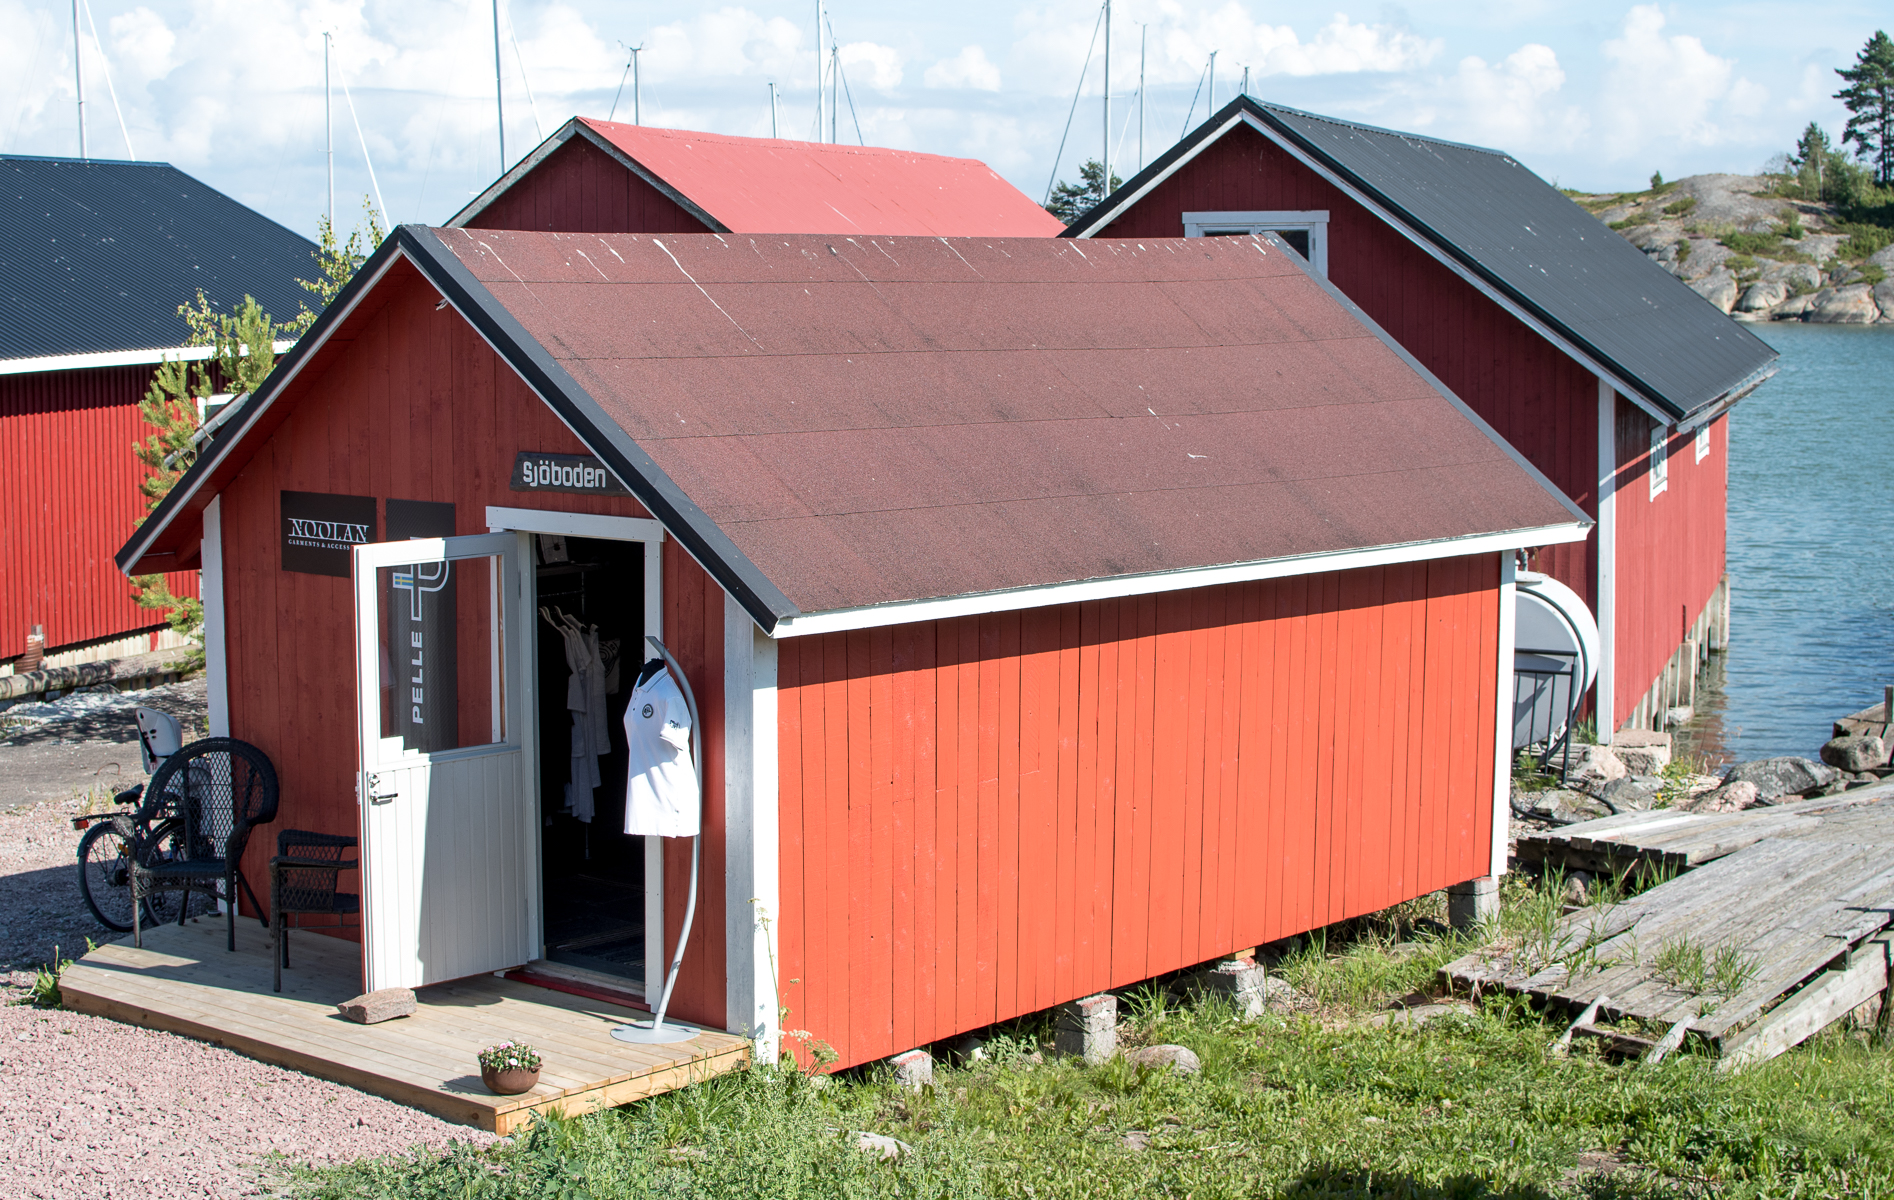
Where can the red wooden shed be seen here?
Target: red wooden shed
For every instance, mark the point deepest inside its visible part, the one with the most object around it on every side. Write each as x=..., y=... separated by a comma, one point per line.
x=95, y=258
x=605, y=177
x=1060, y=614
x=1602, y=368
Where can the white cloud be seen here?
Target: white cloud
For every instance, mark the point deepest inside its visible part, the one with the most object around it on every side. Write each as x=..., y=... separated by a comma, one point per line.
x=1666, y=90
x=882, y=64
x=729, y=42
x=1514, y=103
x=967, y=69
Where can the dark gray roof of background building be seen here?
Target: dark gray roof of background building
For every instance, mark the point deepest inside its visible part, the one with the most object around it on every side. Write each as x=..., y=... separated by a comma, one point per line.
x=1526, y=239
x=96, y=256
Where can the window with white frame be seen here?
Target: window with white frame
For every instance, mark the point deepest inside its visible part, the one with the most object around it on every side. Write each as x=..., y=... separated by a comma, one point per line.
x=1306, y=232
x=1660, y=465
x=1703, y=441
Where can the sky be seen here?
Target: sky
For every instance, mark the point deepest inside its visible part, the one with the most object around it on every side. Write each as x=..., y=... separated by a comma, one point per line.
x=1591, y=95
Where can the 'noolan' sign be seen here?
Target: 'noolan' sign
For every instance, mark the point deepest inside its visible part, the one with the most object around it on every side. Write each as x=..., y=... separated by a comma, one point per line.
x=319, y=530
x=538, y=472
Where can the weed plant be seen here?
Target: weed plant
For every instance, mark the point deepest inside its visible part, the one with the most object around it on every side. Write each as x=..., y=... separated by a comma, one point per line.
x=1314, y=1103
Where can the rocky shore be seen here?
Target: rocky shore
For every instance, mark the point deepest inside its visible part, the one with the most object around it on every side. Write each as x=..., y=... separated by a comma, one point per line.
x=1755, y=254
x=1637, y=772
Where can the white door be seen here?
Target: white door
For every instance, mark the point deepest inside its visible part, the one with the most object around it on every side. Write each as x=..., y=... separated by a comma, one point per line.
x=446, y=819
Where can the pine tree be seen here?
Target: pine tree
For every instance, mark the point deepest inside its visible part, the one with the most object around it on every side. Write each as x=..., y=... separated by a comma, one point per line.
x=1070, y=201
x=1869, y=98
x=1810, y=160
x=339, y=262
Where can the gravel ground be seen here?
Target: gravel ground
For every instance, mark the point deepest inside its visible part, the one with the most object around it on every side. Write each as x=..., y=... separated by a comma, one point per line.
x=90, y=1108
x=85, y=741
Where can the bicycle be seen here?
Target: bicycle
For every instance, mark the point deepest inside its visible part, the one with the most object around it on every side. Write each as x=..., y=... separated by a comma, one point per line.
x=113, y=840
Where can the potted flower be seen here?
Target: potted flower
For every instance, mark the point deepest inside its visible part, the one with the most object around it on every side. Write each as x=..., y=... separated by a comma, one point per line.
x=509, y=1068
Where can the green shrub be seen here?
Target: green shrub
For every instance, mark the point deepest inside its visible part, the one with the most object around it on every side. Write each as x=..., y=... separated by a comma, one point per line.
x=1863, y=240
x=1739, y=264
x=1678, y=208
x=1635, y=219
x=1769, y=245
x=1872, y=275
x=1792, y=228
x=1683, y=249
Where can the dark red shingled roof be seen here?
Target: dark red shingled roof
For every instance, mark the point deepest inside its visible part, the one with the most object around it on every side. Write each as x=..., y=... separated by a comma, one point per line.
x=872, y=420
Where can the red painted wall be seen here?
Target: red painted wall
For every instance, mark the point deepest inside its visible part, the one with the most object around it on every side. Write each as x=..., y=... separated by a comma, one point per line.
x=1670, y=547
x=987, y=816
x=418, y=407
x=70, y=485
x=581, y=189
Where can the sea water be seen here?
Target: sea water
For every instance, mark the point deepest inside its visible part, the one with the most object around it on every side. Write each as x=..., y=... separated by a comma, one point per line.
x=1811, y=547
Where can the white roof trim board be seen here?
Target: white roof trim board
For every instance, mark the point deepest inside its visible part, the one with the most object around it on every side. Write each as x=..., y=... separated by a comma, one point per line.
x=838, y=620
x=113, y=358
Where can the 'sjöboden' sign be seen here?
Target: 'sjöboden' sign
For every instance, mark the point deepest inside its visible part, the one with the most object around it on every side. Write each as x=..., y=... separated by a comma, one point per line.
x=534, y=471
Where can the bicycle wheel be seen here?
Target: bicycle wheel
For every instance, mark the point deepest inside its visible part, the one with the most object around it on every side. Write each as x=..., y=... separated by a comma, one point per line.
x=164, y=843
x=105, y=860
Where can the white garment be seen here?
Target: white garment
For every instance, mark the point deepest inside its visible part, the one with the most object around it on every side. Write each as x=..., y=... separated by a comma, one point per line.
x=591, y=728
x=661, y=796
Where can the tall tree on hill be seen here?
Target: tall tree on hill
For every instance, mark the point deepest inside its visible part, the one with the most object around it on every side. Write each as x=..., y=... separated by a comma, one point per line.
x=1869, y=97
x=1812, y=152
x=1070, y=201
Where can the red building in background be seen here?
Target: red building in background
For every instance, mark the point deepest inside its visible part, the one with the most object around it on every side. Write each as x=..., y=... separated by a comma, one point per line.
x=95, y=258
x=1603, y=369
x=604, y=177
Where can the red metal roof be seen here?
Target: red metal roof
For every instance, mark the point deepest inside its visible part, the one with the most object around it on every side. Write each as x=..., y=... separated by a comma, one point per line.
x=885, y=419
x=767, y=185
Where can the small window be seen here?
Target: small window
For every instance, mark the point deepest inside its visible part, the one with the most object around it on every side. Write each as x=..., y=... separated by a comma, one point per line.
x=1660, y=464
x=1306, y=232
x=1703, y=441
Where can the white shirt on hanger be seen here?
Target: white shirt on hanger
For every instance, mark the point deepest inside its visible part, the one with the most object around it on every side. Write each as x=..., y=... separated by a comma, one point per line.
x=661, y=796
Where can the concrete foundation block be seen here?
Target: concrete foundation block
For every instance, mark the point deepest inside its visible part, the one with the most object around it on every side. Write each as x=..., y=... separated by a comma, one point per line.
x=375, y=1007
x=913, y=1070
x=1473, y=903
x=1088, y=1029
x=1242, y=980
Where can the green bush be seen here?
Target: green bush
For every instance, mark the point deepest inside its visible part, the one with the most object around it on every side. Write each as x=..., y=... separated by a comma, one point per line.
x=1678, y=208
x=1769, y=245
x=1632, y=221
x=1863, y=240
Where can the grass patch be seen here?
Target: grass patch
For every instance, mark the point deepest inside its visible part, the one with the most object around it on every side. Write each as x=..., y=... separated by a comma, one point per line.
x=1314, y=1104
x=1632, y=221
x=1872, y=275
x=1767, y=245
x=1678, y=208
x=1862, y=240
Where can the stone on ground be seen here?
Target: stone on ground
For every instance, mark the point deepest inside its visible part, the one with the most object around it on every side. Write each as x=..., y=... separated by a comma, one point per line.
x=880, y=1144
x=1849, y=305
x=372, y=1008
x=1731, y=797
x=1785, y=776
x=1860, y=753
x=1594, y=766
x=1176, y=1058
x=1635, y=793
x=1642, y=751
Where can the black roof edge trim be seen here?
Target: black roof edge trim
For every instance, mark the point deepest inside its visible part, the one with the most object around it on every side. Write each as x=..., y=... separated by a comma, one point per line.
x=651, y=177
x=1092, y=218
x=1433, y=381
x=288, y=365
x=700, y=536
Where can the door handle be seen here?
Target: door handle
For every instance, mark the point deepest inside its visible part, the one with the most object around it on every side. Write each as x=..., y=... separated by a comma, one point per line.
x=381, y=790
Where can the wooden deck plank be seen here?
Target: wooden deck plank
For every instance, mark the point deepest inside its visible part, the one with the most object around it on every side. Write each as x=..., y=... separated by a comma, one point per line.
x=185, y=982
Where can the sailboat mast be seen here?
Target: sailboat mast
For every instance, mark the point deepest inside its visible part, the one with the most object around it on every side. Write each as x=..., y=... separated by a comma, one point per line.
x=78, y=74
x=328, y=127
x=1105, y=185
x=499, y=94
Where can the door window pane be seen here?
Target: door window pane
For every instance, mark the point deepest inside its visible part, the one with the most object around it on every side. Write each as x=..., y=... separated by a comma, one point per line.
x=441, y=678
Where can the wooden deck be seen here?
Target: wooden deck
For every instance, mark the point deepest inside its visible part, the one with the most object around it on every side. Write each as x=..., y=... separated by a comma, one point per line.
x=184, y=981
x=1667, y=840
x=1805, y=897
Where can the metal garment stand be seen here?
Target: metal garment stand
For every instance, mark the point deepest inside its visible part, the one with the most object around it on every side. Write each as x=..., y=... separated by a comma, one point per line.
x=655, y=1031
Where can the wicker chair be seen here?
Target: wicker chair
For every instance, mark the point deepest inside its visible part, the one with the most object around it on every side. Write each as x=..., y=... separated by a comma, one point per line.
x=303, y=879
x=200, y=808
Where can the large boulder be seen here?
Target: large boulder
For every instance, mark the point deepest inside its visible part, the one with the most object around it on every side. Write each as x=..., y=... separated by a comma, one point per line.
x=1180, y=1059
x=1633, y=793
x=1793, y=275
x=1761, y=297
x=1858, y=753
x=1785, y=776
x=1730, y=200
x=1849, y=305
x=1884, y=298
x=1883, y=258
x=1718, y=287
x=1795, y=308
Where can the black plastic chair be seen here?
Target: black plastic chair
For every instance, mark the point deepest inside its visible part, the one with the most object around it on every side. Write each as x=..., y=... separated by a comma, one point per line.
x=304, y=877
x=200, y=808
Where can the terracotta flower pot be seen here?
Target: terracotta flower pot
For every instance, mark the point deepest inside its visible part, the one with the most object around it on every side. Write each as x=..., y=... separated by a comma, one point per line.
x=509, y=1082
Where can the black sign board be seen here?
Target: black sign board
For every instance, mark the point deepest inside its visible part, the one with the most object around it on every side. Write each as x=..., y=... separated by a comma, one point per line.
x=421, y=634
x=537, y=472
x=319, y=529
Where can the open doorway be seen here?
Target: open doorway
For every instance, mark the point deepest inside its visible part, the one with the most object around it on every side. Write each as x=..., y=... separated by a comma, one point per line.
x=592, y=873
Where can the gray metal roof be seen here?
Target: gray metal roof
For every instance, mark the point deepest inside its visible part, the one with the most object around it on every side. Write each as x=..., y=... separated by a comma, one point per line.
x=96, y=256
x=1526, y=239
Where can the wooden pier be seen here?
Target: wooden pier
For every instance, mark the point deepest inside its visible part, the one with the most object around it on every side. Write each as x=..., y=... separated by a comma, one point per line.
x=185, y=982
